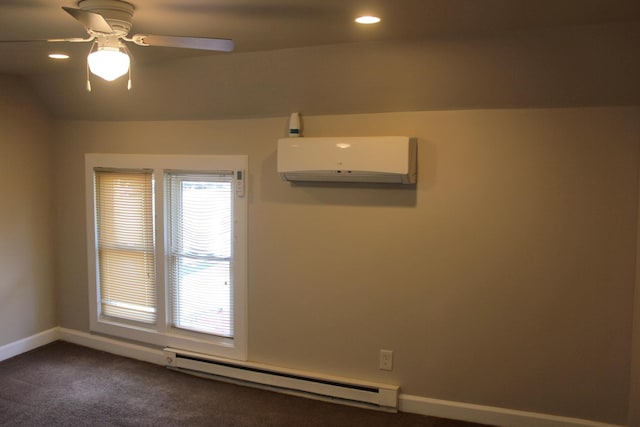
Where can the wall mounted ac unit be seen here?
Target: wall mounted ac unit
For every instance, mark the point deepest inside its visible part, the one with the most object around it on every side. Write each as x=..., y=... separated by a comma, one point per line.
x=379, y=159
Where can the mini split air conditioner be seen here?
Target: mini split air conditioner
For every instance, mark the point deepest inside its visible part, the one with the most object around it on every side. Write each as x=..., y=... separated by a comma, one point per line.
x=379, y=159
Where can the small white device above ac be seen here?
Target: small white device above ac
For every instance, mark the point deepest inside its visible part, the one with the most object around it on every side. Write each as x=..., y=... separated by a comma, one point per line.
x=378, y=159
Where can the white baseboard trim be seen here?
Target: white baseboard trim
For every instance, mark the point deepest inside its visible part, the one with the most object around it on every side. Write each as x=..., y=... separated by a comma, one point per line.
x=488, y=414
x=29, y=343
x=500, y=417
x=113, y=346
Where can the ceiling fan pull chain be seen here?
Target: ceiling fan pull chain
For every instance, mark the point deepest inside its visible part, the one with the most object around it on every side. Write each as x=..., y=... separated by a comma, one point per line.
x=88, y=82
x=128, y=52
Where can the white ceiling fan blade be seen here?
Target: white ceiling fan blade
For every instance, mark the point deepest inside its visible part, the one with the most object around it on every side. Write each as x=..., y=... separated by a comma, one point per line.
x=71, y=39
x=91, y=20
x=202, y=43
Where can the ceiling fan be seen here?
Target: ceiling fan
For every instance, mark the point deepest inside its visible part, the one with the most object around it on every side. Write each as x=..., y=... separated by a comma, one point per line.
x=108, y=23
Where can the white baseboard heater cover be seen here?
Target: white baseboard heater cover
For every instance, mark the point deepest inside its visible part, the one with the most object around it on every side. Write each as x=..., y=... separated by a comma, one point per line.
x=349, y=391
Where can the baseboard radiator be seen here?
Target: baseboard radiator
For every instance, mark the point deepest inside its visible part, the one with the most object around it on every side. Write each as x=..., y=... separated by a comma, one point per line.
x=379, y=396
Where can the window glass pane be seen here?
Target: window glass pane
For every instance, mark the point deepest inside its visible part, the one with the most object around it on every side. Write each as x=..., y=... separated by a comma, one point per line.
x=200, y=251
x=125, y=245
x=201, y=295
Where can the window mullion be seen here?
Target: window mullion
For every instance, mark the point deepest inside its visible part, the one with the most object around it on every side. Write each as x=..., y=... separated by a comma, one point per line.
x=161, y=250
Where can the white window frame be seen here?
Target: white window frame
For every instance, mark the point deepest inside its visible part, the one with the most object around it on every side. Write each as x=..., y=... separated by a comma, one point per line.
x=162, y=334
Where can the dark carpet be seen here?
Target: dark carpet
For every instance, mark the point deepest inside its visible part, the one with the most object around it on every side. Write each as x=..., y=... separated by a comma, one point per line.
x=62, y=384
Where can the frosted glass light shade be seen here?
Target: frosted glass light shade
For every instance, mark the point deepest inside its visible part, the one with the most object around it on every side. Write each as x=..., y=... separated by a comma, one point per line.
x=108, y=63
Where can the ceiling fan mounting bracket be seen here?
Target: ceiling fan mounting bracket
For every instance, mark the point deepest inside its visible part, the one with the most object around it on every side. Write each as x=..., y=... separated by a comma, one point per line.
x=116, y=12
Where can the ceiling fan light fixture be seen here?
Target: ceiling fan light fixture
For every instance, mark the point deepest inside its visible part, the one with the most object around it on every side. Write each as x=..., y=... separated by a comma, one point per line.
x=108, y=63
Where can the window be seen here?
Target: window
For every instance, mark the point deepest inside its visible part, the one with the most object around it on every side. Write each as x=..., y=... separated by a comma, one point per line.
x=125, y=244
x=167, y=250
x=199, y=251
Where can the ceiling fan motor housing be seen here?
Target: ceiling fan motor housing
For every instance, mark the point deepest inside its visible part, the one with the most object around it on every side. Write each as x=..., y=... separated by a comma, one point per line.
x=117, y=13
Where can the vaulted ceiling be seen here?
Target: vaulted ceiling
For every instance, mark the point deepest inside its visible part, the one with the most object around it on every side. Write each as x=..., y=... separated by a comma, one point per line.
x=267, y=25
x=276, y=24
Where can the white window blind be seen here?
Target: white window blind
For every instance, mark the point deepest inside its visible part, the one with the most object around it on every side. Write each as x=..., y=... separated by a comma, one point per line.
x=125, y=244
x=200, y=251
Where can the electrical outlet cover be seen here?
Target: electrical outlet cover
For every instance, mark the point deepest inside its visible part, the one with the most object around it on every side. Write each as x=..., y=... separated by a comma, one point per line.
x=386, y=360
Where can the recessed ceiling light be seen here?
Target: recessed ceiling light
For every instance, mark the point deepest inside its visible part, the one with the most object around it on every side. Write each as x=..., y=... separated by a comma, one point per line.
x=367, y=19
x=58, y=56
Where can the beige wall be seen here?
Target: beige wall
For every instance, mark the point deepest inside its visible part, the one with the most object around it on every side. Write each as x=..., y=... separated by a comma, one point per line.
x=27, y=297
x=505, y=278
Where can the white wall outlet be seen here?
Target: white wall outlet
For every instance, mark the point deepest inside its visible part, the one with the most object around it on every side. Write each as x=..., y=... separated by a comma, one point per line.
x=386, y=360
